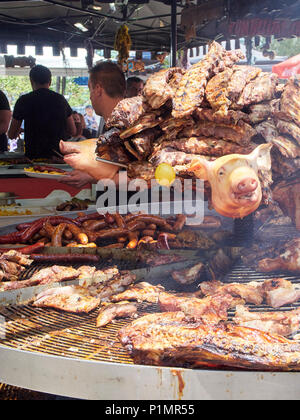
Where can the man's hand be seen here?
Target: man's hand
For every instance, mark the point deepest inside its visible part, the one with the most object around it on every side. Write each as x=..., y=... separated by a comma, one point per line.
x=77, y=179
x=82, y=157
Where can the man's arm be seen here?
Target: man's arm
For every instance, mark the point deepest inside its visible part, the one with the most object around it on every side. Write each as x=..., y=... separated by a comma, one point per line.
x=14, y=128
x=5, y=117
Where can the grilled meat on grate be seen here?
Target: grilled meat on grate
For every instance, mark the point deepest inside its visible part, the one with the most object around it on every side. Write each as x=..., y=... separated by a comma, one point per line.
x=289, y=260
x=111, y=311
x=189, y=275
x=251, y=292
x=141, y=292
x=75, y=299
x=171, y=339
x=283, y=323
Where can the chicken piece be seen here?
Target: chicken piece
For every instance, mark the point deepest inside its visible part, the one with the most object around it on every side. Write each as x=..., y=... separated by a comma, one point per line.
x=17, y=284
x=159, y=87
x=262, y=88
x=251, y=292
x=217, y=94
x=74, y=299
x=127, y=112
x=286, y=261
x=280, y=292
x=189, y=275
x=241, y=77
x=211, y=309
x=16, y=257
x=281, y=323
x=11, y=270
x=111, y=311
x=141, y=292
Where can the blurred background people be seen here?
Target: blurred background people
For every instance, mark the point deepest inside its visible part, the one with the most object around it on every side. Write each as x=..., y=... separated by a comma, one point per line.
x=90, y=121
x=79, y=136
x=46, y=114
x=107, y=87
x=134, y=86
x=5, y=116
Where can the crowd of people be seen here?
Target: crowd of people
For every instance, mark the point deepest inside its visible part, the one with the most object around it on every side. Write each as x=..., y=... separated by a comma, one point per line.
x=46, y=117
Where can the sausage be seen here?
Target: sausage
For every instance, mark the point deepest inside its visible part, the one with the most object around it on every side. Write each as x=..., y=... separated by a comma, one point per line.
x=79, y=235
x=57, y=235
x=132, y=244
x=109, y=218
x=136, y=225
x=112, y=246
x=67, y=234
x=148, y=232
x=26, y=249
x=54, y=220
x=97, y=225
x=149, y=218
x=49, y=229
x=106, y=234
x=65, y=258
x=120, y=221
x=133, y=235
x=93, y=216
x=11, y=238
x=180, y=222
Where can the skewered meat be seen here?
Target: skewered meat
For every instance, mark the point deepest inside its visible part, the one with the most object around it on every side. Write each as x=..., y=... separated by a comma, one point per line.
x=170, y=339
x=286, y=261
x=251, y=292
x=159, y=86
x=210, y=309
x=141, y=292
x=189, y=275
x=286, y=194
x=287, y=147
x=262, y=88
x=241, y=77
x=236, y=189
x=111, y=311
x=290, y=101
x=231, y=118
x=206, y=146
x=290, y=128
x=75, y=299
x=240, y=133
x=127, y=112
x=281, y=323
x=216, y=92
x=191, y=89
x=280, y=292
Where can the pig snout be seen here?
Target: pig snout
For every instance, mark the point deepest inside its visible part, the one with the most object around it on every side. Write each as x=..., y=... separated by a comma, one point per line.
x=246, y=185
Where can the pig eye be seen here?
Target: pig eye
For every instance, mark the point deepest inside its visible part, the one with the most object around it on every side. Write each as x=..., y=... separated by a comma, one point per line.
x=221, y=172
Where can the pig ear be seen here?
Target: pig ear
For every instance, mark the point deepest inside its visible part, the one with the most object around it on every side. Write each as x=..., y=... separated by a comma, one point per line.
x=200, y=168
x=262, y=157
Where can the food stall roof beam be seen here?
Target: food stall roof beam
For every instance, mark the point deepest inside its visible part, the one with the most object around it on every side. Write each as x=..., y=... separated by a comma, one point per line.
x=173, y=33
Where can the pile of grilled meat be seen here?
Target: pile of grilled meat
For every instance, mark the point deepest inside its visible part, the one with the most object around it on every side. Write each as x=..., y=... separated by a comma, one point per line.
x=214, y=108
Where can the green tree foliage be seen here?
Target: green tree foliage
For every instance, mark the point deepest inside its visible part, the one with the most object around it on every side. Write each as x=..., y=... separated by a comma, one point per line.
x=15, y=86
x=286, y=47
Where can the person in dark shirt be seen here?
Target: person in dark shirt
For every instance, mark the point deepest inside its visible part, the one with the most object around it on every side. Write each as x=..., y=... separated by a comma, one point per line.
x=46, y=114
x=5, y=116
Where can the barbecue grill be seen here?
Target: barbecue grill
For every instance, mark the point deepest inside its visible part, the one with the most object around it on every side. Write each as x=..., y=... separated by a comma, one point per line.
x=65, y=354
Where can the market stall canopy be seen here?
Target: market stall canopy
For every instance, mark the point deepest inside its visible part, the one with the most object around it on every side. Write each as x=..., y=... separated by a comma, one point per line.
x=74, y=24
x=288, y=68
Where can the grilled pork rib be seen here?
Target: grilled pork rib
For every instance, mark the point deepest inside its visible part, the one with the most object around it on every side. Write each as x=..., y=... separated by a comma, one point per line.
x=283, y=323
x=170, y=339
x=75, y=299
x=141, y=292
x=112, y=311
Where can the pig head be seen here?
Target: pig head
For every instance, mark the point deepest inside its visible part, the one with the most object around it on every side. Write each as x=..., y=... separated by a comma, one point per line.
x=236, y=189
